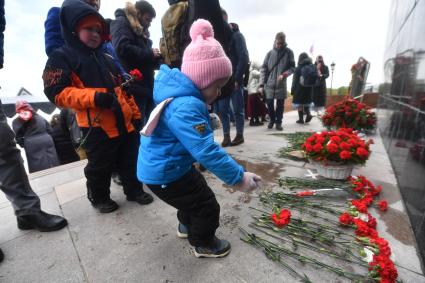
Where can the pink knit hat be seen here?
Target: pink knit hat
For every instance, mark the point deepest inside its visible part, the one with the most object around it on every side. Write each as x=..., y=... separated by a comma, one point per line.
x=204, y=60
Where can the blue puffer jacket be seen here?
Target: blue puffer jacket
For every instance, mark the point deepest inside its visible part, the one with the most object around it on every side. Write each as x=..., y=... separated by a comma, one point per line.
x=182, y=136
x=52, y=31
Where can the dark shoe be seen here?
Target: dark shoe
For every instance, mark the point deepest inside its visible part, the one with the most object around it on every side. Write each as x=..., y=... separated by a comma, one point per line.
x=144, y=198
x=226, y=141
x=41, y=221
x=237, y=140
x=116, y=179
x=251, y=122
x=300, y=117
x=182, y=231
x=1, y=255
x=279, y=127
x=219, y=248
x=106, y=206
x=308, y=118
x=270, y=125
x=258, y=122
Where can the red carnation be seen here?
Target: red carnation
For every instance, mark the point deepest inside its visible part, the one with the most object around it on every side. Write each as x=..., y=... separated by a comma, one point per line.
x=304, y=194
x=332, y=147
x=346, y=219
x=345, y=154
x=362, y=153
x=317, y=147
x=136, y=74
x=345, y=146
x=282, y=219
x=383, y=205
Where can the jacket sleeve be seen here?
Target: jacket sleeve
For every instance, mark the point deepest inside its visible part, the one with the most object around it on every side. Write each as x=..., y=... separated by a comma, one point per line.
x=326, y=73
x=242, y=56
x=52, y=31
x=191, y=127
x=63, y=88
x=264, y=72
x=130, y=101
x=125, y=48
x=291, y=63
x=295, y=81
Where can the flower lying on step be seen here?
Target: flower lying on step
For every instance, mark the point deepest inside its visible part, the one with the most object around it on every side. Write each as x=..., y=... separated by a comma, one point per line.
x=304, y=194
x=383, y=205
x=282, y=219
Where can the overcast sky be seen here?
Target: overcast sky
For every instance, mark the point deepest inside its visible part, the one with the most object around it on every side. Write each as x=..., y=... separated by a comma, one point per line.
x=339, y=30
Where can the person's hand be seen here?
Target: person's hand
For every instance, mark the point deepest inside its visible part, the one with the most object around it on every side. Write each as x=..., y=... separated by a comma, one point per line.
x=261, y=90
x=156, y=52
x=249, y=182
x=104, y=99
x=282, y=76
x=237, y=85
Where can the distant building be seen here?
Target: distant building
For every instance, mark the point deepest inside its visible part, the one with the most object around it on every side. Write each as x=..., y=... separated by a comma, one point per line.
x=36, y=101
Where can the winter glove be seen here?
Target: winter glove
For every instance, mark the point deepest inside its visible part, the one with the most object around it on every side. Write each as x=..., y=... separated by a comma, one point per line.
x=249, y=182
x=104, y=99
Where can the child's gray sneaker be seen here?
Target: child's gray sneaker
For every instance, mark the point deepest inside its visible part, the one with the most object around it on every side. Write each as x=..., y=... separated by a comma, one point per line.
x=219, y=248
x=182, y=231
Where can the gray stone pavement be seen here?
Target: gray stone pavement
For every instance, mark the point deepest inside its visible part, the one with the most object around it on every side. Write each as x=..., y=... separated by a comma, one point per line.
x=139, y=243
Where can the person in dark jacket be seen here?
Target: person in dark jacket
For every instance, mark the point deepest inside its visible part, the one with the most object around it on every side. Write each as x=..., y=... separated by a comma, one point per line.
x=303, y=96
x=62, y=139
x=80, y=76
x=33, y=133
x=134, y=50
x=240, y=59
x=319, y=91
x=13, y=178
x=278, y=65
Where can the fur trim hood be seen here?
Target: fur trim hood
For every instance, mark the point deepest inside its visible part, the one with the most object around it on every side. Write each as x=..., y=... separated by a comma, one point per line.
x=130, y=12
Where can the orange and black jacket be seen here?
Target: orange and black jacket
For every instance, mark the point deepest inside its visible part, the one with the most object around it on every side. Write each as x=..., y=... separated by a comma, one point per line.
x=75, y=72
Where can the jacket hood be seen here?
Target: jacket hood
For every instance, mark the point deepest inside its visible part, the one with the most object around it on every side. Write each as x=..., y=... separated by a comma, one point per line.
x=71, y=13
x=305, y=61
x=130, y=13
x=173, y=83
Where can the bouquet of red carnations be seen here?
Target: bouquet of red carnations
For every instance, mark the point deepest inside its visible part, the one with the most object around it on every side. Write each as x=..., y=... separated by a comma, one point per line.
x=349, y=114
x=343, y=146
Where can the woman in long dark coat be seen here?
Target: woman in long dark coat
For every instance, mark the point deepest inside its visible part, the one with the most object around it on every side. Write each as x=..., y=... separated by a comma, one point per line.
x=33, y=134
x=319, y=91
x=302, y=95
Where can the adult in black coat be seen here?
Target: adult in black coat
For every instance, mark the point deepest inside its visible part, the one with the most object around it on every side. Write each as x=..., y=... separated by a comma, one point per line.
x=302, y=95
x=134, y=50
x=319, y=91
x=13, y=178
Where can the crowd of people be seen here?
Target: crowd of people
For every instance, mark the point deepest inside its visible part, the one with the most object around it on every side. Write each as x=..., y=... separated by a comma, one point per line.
x=202, y=68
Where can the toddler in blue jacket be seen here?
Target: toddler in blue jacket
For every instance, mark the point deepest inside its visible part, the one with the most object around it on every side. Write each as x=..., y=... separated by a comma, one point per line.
x=179, y=133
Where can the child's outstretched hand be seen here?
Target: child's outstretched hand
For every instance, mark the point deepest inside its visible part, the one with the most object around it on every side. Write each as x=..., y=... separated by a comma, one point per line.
x=249, y=182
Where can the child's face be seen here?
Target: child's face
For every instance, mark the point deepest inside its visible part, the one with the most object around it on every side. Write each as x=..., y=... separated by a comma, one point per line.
x=211, y=92
x=90, y=36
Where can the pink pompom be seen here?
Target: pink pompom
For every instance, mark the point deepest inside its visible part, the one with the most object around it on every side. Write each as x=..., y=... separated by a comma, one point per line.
x=201, y=27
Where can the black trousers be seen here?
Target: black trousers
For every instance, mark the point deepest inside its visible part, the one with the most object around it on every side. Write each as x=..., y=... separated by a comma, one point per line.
x=197, y=207
x=106, y=155
x=13, y=178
